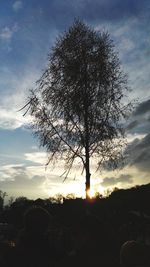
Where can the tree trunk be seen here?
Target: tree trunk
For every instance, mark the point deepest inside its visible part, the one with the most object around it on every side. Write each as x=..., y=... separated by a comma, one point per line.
x=87, y=137
x=87, y=169
x=87, y=163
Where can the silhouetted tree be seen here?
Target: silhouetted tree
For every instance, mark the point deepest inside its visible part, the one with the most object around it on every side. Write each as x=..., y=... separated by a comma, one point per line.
x=2, y=198
x=20, y=201
x=11, y=201
x=58, y=198
x=70, y=196
x=77, y=105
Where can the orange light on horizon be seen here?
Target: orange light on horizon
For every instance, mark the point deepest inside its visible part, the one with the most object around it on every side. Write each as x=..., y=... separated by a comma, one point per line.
x=91, y=193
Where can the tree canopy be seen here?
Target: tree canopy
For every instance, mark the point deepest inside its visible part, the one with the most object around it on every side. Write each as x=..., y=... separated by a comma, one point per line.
x=77, y=105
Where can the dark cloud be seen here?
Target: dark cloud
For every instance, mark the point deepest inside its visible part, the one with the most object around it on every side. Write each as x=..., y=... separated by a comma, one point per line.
x=140, y=119
x=143, y=108
x=132, y=125
x=142, y=127
x=108, y=181
x=138, y=154
x=123, y=178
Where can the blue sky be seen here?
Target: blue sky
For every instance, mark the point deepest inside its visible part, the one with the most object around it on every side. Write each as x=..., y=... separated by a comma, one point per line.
x=28, y=29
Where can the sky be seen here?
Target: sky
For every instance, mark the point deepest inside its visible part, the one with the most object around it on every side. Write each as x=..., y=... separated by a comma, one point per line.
x=28, y=29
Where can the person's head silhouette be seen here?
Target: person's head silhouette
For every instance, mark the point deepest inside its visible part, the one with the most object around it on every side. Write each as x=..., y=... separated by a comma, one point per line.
x=36, y=220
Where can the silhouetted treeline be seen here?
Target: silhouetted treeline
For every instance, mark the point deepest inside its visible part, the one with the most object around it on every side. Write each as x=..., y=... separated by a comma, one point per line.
x=122, y=204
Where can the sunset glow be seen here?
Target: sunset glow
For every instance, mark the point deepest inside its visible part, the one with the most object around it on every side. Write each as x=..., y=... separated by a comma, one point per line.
x=91, y=193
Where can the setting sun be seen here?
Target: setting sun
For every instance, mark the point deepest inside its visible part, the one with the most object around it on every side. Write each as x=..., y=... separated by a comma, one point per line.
x=91, y=193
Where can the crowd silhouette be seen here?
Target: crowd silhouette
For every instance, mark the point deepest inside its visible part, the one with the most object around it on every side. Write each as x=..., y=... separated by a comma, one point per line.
x=44, y=239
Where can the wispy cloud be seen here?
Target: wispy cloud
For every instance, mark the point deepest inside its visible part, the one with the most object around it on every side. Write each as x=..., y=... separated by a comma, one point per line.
x=10, y=103
x=37, y=157
x=11, y=119
x=17, y=5
x=6, y=33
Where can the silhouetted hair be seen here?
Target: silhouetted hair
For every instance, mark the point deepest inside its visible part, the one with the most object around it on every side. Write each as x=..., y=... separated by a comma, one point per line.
x=133, y=253
x=36, y=219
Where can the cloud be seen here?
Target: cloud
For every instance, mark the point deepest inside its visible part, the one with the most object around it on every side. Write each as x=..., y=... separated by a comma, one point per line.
x=125, y=178
x=33, y=182
x=126, y=44
x=14, y=98
x=113, y=181
x=22, y=185
x=6, y=33
x=11, y=119
x=132, y=43
x=55, y=168
x=17, y=5
x=142, y=108
x=138, y=153
x=132, y=125
x=8, y=171
x=108, y=181
x=140, y=119
x=37, y=157
x=17, y=180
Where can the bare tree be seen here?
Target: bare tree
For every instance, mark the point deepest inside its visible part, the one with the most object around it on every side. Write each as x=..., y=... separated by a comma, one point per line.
x=77, y=106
